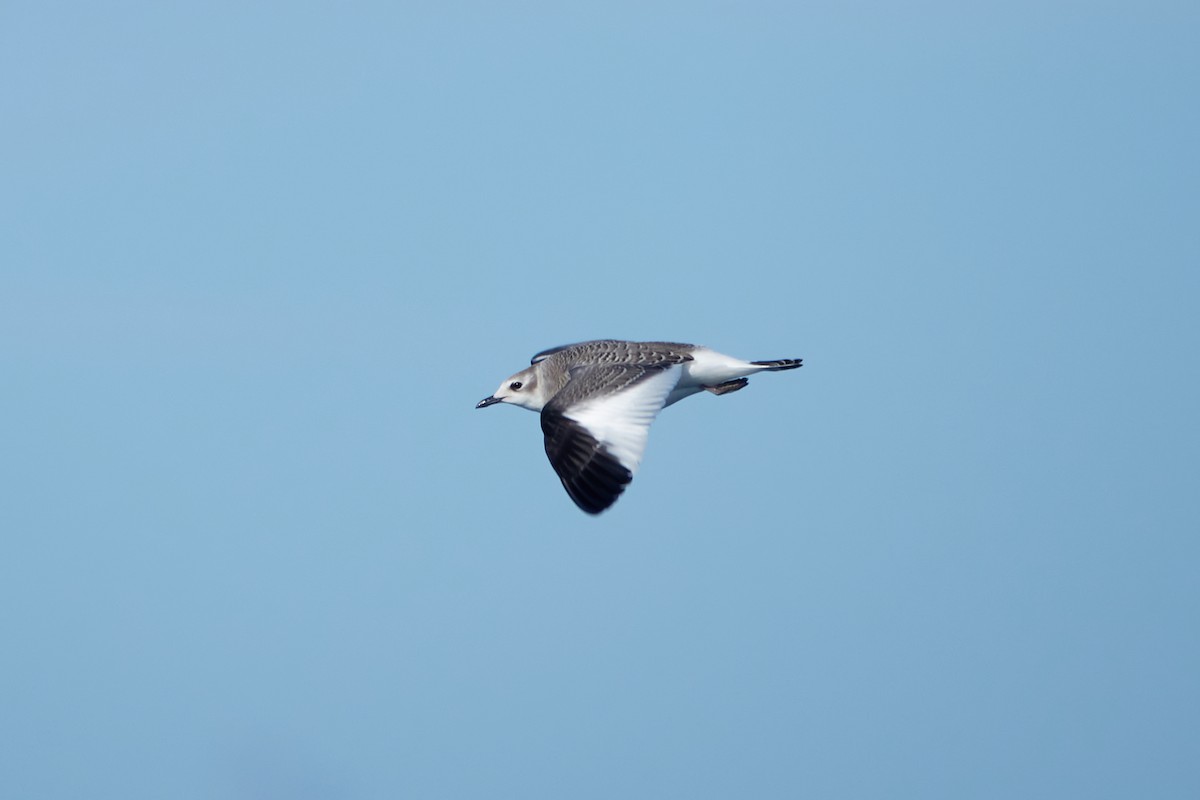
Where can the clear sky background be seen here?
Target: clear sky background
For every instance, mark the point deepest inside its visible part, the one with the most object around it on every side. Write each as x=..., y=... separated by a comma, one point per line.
x=258, y=261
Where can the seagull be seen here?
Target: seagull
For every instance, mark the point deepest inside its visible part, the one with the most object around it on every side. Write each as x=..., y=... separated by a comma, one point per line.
x=598, y=398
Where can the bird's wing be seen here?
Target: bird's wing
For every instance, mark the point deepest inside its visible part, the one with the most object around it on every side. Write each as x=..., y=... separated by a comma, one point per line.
x=616, y=351
x=543, y=355
x=596, y=428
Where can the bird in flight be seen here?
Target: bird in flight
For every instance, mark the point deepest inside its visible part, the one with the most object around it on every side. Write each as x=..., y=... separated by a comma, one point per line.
x=597, y=400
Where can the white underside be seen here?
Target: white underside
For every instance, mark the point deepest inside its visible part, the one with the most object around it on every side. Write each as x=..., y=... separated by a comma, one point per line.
x=621, y=421
x=709, y=368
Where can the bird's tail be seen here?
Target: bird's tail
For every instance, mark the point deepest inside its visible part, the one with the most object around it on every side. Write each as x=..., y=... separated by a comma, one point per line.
x=780, y=364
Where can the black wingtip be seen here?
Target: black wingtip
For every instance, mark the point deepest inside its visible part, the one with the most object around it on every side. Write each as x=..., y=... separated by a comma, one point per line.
x=593, y=478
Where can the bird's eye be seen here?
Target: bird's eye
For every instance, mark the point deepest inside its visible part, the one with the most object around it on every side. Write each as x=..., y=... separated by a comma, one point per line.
x=515, y=385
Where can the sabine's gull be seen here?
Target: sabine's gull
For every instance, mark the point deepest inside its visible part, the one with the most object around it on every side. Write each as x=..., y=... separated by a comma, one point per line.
x=597, y=400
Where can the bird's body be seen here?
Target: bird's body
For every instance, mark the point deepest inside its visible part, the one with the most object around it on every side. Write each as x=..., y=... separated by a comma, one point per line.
x=598, y=398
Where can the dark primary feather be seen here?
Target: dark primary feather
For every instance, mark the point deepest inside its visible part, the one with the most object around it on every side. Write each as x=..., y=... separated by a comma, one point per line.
x=591, y=476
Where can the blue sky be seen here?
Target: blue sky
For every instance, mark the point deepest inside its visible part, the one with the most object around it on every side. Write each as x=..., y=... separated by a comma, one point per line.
x=257, y=264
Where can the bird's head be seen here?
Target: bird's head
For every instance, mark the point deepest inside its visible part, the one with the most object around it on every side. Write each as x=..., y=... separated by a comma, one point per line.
x=521, y=389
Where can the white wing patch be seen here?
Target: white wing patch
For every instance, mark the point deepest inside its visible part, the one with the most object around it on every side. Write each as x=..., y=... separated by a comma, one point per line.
x=621, y=421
